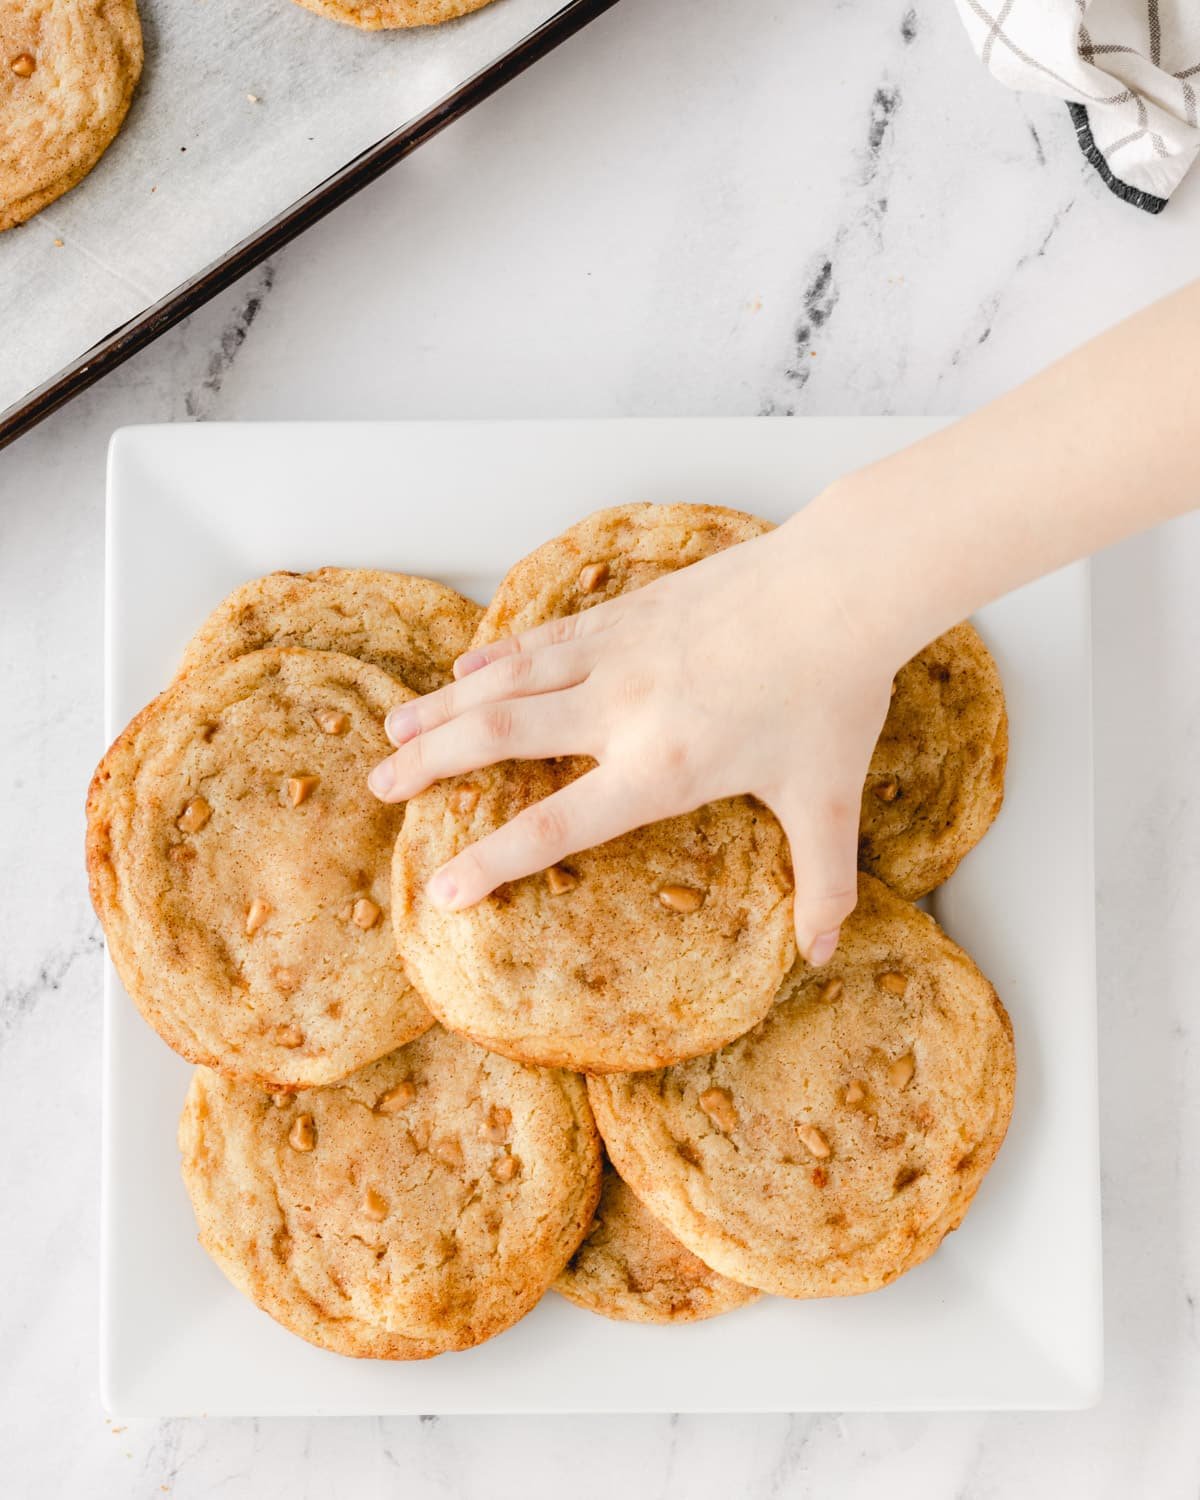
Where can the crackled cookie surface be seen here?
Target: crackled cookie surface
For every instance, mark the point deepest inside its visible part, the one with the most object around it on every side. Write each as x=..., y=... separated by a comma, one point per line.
x=411, y=627
x=68, y=69
x=631, y=1268
x=834, y=1146
x=421, y=1205
x=661, y=944
x=936, y=779
x=240, y=868
x=609, y=553
x=378, y=15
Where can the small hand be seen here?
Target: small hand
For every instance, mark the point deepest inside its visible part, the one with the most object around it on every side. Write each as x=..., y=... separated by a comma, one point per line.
x=741, y=674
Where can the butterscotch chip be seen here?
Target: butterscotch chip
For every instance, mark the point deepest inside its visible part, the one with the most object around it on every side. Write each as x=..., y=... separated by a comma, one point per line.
x=221, y=951
x=365, y=914
x=892, y=982
x=900, y=1072
x=814, y=1140
x=746, y=1204
x=684, y=898
x=375, y=1206
x=580, y=983
x=495, y=1126
x=196, y=813
x=357, y=1245
x=936, y=778
x=831, y=990
x=256, y=915
x=718, y=1105
x=73, y=66
x=301, y=788
x=411, y=627
x=331, y=722
x=397, y=1098
x=593, y=577
x=464, y=799
x=560, y=880
x=449, y=1152
x=303, y=1135
x=632, y=1268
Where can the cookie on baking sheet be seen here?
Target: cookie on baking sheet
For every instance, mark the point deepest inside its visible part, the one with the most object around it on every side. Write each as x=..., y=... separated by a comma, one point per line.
x=423, y=1204
x=68, y=69
x=412, y=627
x=240, y=868
x=936, y=780
x=609, y=553
x=630, y=1268
x=379, y=15
x=834, y=1146
x=661, y=944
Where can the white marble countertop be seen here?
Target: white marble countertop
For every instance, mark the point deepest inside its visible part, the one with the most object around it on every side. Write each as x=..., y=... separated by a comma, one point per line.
x=688, y=210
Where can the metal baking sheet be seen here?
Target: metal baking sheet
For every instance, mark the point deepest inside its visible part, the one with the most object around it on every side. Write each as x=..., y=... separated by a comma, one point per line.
x=250, y=123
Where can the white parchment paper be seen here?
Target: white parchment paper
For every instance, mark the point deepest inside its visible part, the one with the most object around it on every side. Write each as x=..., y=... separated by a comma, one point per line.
x=199, y=165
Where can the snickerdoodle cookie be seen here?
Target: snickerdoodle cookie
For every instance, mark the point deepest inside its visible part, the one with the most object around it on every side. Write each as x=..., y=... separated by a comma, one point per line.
x=659, y=945
x=662, y=944
x=379, y=15
x=633, y=1269
x=936, y=780
x=609, y=553
x=240, y=868
x=68, y=69
x=422, y=1204
x=833, y=1147
x=411, y=627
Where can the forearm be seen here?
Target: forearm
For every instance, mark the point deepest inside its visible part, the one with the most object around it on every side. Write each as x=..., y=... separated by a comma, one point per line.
x=1102, y=444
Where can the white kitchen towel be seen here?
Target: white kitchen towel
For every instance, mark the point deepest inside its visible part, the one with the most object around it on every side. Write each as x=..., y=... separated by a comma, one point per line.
x=1128, y=69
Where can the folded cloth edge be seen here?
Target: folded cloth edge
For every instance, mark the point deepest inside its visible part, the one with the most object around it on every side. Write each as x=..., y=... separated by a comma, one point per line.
x=1138, y=197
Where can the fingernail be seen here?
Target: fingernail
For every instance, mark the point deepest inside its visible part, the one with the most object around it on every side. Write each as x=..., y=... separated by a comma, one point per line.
x=380, y=779
x=822, y=947
x=441, y=888
x=470, y=661
x=401, y=724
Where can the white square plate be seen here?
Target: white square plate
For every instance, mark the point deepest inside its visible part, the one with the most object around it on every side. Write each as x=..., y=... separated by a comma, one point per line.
x=1007, y=1314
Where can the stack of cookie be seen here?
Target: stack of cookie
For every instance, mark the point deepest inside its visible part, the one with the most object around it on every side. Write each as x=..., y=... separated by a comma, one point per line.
x=392, y=1141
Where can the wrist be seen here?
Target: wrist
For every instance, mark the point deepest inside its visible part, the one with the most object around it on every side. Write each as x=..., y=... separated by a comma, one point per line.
x=859, y=541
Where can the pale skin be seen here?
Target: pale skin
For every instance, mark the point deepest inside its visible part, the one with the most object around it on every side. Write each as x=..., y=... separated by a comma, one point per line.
x=767, y=669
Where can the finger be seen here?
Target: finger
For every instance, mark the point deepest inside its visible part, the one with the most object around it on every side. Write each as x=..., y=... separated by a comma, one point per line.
x=823, y=834
x=552, y=633
x=590, y=811
x=518, y=676
x=523, y=729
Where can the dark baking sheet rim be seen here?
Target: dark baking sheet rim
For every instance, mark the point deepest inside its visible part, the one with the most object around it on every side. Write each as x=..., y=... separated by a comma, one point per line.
x=142, y=330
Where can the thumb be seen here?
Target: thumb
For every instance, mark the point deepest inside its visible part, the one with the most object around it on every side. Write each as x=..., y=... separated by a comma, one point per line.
x=823, y=833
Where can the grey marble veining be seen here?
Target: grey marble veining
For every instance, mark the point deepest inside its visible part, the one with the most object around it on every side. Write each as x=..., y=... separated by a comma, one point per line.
x=732, y=209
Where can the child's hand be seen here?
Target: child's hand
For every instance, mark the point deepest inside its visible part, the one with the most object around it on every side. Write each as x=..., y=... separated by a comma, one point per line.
x=743, y=673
